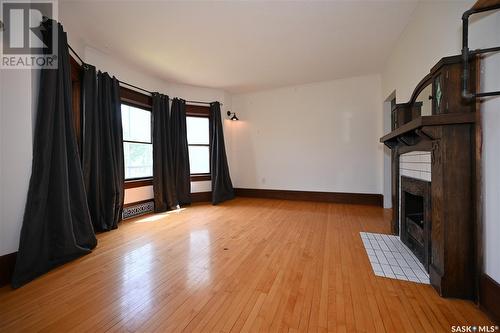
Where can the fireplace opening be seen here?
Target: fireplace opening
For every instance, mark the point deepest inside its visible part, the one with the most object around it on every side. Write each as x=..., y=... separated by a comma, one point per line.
x=415, y=221
x=417, y=218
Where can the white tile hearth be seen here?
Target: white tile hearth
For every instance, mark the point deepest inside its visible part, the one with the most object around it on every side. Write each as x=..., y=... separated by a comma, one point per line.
x=390, y=258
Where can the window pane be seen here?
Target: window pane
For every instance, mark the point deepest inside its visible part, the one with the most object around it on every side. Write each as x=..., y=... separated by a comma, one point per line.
x=199, y=159
x=138, y=160
x=197, y=130
x=136, y=124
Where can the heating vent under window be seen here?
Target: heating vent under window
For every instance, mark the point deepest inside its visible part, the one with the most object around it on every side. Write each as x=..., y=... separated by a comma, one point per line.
x=139, y=209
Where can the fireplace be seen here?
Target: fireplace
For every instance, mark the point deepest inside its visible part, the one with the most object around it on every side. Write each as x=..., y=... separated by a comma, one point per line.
x=416, y=217
x=446, y=236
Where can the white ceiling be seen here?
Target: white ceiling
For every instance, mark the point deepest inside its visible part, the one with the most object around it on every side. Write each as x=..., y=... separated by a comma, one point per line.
x=242, y=46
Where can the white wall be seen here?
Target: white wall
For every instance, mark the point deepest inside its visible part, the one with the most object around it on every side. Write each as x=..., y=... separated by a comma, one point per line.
x=433, y=33
x=314, y=137
x=491, y=157
x=386, y=125
x=16, y=136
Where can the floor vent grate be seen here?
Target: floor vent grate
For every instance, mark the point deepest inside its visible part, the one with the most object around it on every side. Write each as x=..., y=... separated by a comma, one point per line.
x=139, y=209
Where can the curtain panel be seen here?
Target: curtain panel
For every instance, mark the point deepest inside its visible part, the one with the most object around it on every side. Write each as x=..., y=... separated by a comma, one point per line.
x=165, y=195
x=102, y=158
x=222, y=187
x=57, y=225
x=180, y=154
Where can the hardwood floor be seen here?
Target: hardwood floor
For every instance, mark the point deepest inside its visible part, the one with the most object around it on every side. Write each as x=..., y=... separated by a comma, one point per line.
x=245, y=266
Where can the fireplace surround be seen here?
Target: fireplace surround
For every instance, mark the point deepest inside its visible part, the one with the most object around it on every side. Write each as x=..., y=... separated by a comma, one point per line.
x=436, y=218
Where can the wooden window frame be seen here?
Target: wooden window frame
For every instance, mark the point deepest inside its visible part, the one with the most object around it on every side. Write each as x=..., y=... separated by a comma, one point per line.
x=135, y=99
x=144, y=102
x=201, y=112
x=127, y=96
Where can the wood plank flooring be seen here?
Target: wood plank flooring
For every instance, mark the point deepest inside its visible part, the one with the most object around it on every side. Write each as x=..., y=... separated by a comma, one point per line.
x=249, y=265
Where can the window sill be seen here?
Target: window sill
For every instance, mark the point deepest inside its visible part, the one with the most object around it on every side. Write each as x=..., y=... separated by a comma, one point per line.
x=149, y=181
x=201, y=178
x=138, y=183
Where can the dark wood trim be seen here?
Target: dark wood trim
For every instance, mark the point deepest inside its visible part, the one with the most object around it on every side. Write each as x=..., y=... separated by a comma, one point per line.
x=139, y=142
x=130, y=204
x=138, y=183
x=75, y=68
x=200, y=178
x=199, y=145
x=429, y=77
x=202, y=112
x=485, y=3
x=197, y=111
x=424, y=145
x=420, y=86
x=135, y=98
x=454, y=59
x=142, y=101
x=435, y=120
x=201, y=197
x=489, y=296
x=334, y=197
x=149, y=182
x=415, y=236
x=453, y=136
x=7, y=263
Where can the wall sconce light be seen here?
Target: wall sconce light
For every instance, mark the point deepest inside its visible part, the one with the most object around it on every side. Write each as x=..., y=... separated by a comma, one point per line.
x=232, y=115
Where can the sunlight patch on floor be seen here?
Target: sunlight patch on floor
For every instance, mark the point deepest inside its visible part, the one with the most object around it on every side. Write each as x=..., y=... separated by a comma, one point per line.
x=160, y=216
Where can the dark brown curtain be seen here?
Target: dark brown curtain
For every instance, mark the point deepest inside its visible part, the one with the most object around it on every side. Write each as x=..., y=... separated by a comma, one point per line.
x=165, y=196
x=222, y=187
x=180, y=155
x=57, y=226
x=103, y=164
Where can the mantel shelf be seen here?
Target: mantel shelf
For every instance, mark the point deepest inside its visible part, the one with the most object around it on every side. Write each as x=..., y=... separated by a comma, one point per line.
x=436, y=120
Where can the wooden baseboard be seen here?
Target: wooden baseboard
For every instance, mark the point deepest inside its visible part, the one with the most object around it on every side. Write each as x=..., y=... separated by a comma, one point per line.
x=334, y=197
x=489, y=296
x=7, y=263
x=201, y=197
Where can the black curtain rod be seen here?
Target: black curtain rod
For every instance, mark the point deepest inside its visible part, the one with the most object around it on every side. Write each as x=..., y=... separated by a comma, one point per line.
x=136, y=87
x=198, y=102
x=76, y=54
x=133, y=86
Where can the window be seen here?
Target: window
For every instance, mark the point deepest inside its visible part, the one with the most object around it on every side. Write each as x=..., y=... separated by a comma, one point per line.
x=198, y=136
x=137, y=144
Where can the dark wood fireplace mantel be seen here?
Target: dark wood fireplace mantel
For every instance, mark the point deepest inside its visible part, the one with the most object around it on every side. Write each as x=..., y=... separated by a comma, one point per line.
x=413, y=128
x=438, y=120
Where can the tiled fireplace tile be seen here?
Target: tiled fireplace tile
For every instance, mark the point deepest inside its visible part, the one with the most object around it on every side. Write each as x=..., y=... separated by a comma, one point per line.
x=390, y=258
